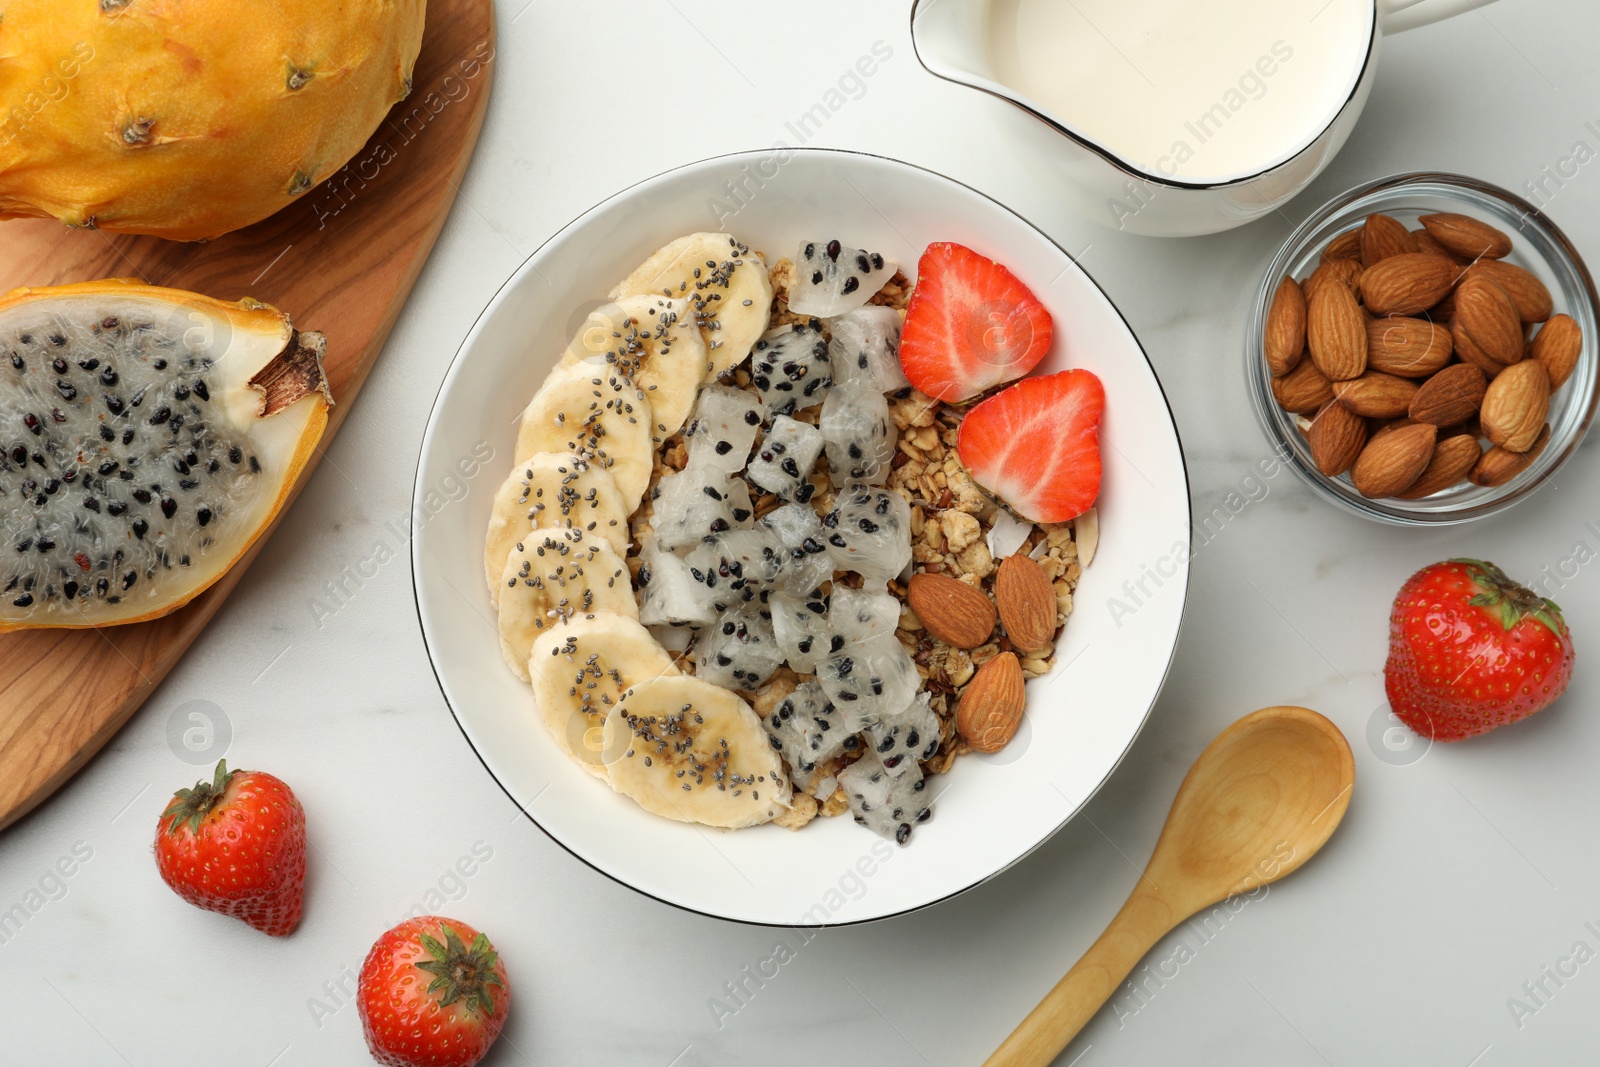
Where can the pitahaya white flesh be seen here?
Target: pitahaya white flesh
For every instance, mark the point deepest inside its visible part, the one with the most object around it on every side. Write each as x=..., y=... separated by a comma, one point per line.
x=738, y=650
x=733, y=567
x=856, y=615
x=723, y=427
x=869, y=532
x=800, y=624
x=674, y=639
x=869, y=680
x=800, y=548
x=669, y=594
x=806, y=730
x=696, y=503
x=865, y=350
x=791, y=368
x=904, y=740
x=858, y=434
x=831, y=279
x=884, y=803
x=785, y=457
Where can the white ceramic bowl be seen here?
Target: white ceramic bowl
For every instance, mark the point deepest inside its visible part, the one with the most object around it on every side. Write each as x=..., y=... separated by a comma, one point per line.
x=990, y=811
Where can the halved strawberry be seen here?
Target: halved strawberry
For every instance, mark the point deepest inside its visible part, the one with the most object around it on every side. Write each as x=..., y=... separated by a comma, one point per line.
x=1036, y=445
x=971, y=325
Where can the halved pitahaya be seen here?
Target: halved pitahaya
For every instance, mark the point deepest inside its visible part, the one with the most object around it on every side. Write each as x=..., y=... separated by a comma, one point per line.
x=884, y=803
x=902, y=741
x=869, y=532
x=865, y=349
x=869, y=680
x=668, y=593
x=785, y=457
x=791, y=368
x=723, y=427
x=806, y=730
x=738, y=650
x=831, y=279
x=856, y=615
x=696, y=503
x=800, y=624
x=800, y=549
x=858, y=434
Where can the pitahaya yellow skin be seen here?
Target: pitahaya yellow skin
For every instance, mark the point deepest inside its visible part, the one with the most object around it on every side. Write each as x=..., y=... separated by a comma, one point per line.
x=188, y=119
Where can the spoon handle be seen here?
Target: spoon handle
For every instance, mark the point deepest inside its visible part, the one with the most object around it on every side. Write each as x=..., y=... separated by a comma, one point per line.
x=1144, y=920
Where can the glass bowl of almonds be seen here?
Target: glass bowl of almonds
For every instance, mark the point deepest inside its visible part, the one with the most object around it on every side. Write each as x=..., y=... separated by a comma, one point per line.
x=1423, y=350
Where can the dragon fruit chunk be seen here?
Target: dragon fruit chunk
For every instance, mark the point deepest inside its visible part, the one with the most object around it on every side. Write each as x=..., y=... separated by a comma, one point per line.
x=723, y=427
x=904, y=740
x=669, y=595
x=888, y=805
x=785, y=457
x=806, y=730
x=738, y=650
x=800, y=547
x=869, y=532
x=831, y=279
x=791, y=369
x=858, y=434
x=865, y=350
x=800, y=624
x=733, y=567
x=869, y=680
x=696, y=503
x=856, y=615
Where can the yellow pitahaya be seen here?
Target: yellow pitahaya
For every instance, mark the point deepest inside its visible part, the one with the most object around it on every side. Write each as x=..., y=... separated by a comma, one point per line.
x=190, y=118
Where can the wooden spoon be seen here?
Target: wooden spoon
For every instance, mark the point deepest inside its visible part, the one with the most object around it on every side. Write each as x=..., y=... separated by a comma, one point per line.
x=1260, y=801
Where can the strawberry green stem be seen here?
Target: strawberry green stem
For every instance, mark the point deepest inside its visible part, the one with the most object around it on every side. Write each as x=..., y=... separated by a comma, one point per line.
x=1509, y=600
x=192, y=805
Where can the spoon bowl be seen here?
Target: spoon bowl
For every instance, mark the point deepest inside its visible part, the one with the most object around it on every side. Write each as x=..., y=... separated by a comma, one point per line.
x=1262, y=799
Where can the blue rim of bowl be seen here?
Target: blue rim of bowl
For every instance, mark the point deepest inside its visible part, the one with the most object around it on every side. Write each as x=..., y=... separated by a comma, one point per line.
x=417, y=490
x=1296, y=454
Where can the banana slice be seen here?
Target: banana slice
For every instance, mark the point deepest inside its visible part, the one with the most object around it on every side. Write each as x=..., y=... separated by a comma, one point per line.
x=579, y=670
x=654, y=341
x=552, y=577
x=547, y=491
x=726, y=283
x=591, y=408
x=692, y=751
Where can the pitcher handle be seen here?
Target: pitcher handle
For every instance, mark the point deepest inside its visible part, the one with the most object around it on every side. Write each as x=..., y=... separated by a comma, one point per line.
x=1398, y=16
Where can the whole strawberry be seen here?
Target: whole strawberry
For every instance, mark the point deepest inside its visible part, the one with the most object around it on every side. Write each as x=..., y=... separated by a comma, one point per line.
x=1470, y=650
x=237, y=844
x=432, y=993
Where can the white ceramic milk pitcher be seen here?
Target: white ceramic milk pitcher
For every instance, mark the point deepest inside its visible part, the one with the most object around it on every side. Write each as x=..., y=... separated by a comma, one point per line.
x=1171, y=117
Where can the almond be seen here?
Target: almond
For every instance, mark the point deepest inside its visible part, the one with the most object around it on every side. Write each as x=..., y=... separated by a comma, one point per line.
x=1451, y=396
x=1469, y=351
x=1336, y=437
x=1411, y=348
x=1427, y=243
x=1486, y=312
x=952, y=611
x=991, y=705
x=1376, y=395
x=1516, y=405
x=1532, y=298
x=1499, y=465
x=1444, y=310
x=1336, y=333
x=1557, y=345
x=1466, y=236
x=1346, y=272
x=1345, y=246
x=1303, y=390
x=1383, y=237
x=1393, y=461
x=1408, y=283
x=1027, y=603
x=1453, y=459
x=1285, y=340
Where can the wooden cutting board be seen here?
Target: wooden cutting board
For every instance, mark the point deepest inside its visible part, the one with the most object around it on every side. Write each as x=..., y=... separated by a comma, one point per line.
x=341, y=260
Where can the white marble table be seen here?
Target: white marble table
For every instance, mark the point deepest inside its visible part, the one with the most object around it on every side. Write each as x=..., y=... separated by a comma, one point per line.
x=1457, y=877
